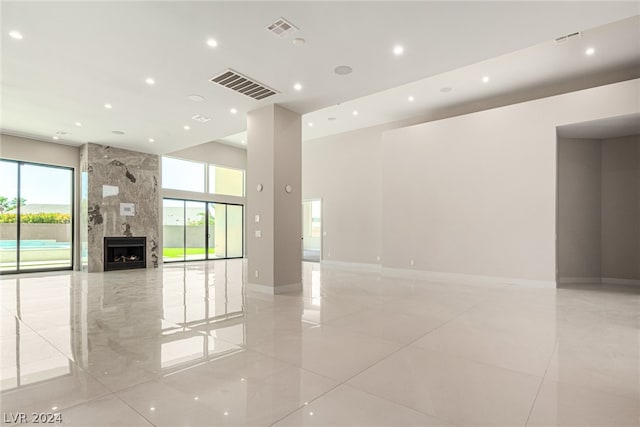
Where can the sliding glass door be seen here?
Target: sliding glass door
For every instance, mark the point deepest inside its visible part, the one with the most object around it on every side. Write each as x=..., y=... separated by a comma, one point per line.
x=194, y=230
x=36, y=217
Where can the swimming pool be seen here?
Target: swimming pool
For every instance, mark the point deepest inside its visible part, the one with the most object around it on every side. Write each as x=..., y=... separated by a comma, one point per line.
x=34, y=244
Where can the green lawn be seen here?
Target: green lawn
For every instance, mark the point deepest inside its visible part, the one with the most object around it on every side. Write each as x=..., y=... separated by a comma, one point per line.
x=179, y=252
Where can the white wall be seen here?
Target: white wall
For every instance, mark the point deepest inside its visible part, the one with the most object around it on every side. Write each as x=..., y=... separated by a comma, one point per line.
x=30, y=150
x=476, y=194
x=214, y=153
x=621, y=208
x=344, y=170
x=579, y=209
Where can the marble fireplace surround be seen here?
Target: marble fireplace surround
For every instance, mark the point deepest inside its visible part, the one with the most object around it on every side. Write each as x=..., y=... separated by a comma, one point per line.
x=112, y=180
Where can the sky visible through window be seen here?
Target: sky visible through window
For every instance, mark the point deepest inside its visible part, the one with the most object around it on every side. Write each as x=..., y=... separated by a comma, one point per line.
x=40, y=184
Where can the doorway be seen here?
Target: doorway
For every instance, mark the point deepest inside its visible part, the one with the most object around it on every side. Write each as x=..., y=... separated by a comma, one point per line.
x=312, y=230
x=598, y=202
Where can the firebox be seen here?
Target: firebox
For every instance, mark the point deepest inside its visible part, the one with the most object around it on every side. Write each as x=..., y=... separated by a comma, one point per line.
x=121, y=253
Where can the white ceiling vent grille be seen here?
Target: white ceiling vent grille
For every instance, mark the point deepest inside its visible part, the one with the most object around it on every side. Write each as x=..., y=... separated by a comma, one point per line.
x=243, y=84
x=282, y=28
x=568, y=37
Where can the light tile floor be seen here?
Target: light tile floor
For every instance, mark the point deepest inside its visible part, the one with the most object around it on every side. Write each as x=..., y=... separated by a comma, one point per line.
x=188, y=345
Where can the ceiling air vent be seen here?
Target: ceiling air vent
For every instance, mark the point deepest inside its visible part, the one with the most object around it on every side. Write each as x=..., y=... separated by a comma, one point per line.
x=243, y=84
x=568, y=37
x=282, y=28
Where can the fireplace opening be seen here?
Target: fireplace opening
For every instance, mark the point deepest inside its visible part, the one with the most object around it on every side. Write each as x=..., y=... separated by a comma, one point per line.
x=122, y=253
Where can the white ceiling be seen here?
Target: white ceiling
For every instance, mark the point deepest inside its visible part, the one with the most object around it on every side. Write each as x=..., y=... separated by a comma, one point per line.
x=77, y=56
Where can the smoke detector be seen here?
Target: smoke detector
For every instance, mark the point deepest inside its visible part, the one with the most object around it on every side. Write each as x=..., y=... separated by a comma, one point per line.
x=282, y=28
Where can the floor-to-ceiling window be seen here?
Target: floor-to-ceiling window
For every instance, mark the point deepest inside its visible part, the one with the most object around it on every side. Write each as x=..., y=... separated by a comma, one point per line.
x=36, y=217
x=195, y=225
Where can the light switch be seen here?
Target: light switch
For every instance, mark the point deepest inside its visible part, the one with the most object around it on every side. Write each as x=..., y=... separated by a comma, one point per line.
x=257, y=218
x=258, y=233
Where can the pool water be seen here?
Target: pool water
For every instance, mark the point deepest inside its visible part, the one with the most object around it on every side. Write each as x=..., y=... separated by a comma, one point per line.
x=34, y=244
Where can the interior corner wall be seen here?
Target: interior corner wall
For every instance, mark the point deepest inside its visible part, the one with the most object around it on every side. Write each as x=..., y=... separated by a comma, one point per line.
x=579, y=210
x=476, y=194
x=621, y=208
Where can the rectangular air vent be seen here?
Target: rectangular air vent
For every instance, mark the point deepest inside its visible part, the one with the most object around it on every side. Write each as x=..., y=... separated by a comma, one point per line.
x=282, y=28
x=243, y=84
x=568, y=37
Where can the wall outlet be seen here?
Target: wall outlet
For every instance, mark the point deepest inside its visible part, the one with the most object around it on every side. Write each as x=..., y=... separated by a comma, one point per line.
x=258, y=233
x=257, y=274
x=412, y=262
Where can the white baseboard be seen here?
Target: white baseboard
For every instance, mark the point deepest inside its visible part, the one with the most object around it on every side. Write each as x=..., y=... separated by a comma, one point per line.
x=598, y=281
x=464, y=278
x=580, y=280
x=376, y=268
x=275, y=290
x=614, y=281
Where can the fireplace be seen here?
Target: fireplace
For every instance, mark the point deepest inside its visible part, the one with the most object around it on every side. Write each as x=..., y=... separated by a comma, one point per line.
x=122, y=253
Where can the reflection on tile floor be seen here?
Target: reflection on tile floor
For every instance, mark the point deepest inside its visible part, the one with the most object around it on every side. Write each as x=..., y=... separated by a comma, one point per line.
x=187, y=344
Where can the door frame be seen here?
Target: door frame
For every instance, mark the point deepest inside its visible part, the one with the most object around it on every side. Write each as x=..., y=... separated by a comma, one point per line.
x=308, y=200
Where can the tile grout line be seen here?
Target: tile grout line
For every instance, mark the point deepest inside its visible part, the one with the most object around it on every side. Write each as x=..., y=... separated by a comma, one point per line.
x=344, y=382
x=535, y=399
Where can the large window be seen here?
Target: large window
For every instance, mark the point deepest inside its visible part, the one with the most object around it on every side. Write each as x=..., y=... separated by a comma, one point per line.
x=194, y=230
x=226, y=181
x=197, y=177
x=36, y=217
x=183, y=175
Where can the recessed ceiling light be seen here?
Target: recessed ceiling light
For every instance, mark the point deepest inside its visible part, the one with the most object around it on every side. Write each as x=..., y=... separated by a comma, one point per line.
x=233, y=111
x=355, y=112
x=108, y=106
x=343, y=70
x=590, y=51
x=446, y=89
x=152, y=140
x=212, y=43
x=398, y=50
x=186, y=127
x=299, y=41
x=150, y=81
x=411, y=99
x=55, y=137
x=297, y=86
x=195, y=98
x=78, y=124
x=117, y=132
x=16, y=35
x=485, y=79
x=310, y=124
